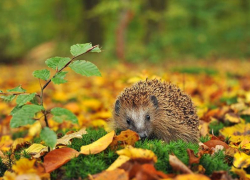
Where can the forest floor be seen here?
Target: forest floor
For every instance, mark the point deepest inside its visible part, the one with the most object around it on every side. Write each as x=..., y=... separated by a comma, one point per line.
x=220, y=89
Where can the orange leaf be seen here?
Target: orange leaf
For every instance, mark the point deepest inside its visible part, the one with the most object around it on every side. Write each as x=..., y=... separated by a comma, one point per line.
x=178, y=165
x=118, y=174
x=192, y=158
x=213, y=143
x=99, y=145
x=58, y=157
x=127, y=137
x=192, y=177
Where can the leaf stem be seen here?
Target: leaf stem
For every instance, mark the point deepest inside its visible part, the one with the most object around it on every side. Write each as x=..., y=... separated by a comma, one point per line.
x=66, y=65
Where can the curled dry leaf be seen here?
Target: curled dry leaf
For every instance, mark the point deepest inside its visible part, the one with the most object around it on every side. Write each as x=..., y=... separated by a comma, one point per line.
x=214, y=143
x=242, y=173
x=99, y=145
x=117, y=174
x=58, y=157
x=136, y=153
x=233, y=118
x=192, y=158
x=36, y=149
x=118, y=162
x=65, y=140
x=204, y=128
x=191, y=177
x=178, y=165
x=127, y=137
x=18, y=144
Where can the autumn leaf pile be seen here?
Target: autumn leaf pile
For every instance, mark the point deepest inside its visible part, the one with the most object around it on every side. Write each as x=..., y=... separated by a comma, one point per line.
x=220, y=90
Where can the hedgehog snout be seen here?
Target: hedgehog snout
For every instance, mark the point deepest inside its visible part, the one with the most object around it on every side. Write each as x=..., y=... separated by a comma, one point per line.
x=143, y=135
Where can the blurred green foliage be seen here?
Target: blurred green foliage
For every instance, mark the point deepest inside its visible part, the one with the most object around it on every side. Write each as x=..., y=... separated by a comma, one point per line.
x=157, y=29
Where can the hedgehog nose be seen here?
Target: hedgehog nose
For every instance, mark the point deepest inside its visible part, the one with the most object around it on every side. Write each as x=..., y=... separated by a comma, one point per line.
x=142, y=135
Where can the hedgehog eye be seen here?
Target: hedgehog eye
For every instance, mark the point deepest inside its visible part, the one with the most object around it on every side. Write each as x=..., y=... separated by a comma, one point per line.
x=147, y=117
x=128, y=121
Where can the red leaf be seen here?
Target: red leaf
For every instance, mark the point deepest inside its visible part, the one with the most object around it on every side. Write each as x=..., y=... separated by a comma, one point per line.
x=58, y=157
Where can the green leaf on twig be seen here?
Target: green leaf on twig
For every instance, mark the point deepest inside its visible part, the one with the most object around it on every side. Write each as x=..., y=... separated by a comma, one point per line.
x=59, y=78
x=24, y=98
x=61, y=114
x=24, y=116
x=43, y=74
x=17, y=89
x=85, y=68
x=57, y=63
x=49, y=137
x=79, y=49
x=8, y=98
x=15, y=109
x=97, y=49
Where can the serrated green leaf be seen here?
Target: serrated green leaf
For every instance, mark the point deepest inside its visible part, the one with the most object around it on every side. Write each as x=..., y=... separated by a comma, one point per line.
x=17, y=89
x=35, y=100
x=59, y=78
x=43, y=74
x=57, y=62
x=78, y=49
x=15, y=109
x=61, y=114
x=24, y=115
x=8, y=97
x=24, y=98
x=49, y=137
x=97, y=49
x=85, y=68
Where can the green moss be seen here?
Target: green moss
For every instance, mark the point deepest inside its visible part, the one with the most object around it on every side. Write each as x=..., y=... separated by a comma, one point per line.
x=3, y=168
x=214, y=162
x=215, y=127
x=205, y=138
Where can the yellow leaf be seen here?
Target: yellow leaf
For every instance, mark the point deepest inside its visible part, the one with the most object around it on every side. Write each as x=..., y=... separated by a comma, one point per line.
x=241, y=160
x=99, y=123
x=18, y=143
x=99, y=145
x=5, y=143
x=91, y=104
x=36, y=148
x=241, y=173
x=135, y=153
x=231, y=117
x=9, y=175
x=118, y=162
x=192, y=177
x=24, y=166
x=66, y=139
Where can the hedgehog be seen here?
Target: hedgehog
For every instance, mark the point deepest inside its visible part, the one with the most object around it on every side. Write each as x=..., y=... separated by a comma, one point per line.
x=156, y=109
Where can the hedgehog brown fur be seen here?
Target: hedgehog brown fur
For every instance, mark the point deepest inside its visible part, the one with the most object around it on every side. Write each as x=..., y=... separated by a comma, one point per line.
x=157, y=109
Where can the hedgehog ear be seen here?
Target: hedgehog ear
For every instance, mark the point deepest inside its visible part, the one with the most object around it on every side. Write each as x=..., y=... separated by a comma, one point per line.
x=117, y=106
x=154, y=101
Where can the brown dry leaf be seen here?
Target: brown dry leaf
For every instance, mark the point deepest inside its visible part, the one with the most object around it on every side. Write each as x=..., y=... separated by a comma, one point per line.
x=246, y=111
x=117, y=174
x=18, y=144
x=127, y=137
x=65, y=140
x=191, y=177
x=178, y=165
x=214, y=143
x=58, y=157
x=99, y=145
x=220, y=175
x=118, y=162
x=192, y=158
x=136, y=153
x=232, y=117
x=148, y=172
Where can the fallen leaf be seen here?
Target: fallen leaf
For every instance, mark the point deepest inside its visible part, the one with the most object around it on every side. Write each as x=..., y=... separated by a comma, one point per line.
x=220, y=175
x=214, y=143
x=35, y=129
x=241, y=160
x=136, y=153
x=118, y=162
x=5, y=143
x=192, y=158
x=65, y=140
x=18, y=144
x=127, y=137
x=99, y=145
x=242, y=173
x=148, y=171
x=58, y=157
x=24, y=166
x=233, y=118
x=36, y=149
x=204, y=128
x=191, y=177
x=178, y=165
x=117, y=174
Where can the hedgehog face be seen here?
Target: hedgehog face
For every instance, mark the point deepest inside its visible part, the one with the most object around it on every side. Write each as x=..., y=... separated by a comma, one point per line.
x=138, y=118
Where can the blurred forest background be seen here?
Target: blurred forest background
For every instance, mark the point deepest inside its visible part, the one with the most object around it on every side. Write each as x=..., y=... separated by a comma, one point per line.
x=128, y=30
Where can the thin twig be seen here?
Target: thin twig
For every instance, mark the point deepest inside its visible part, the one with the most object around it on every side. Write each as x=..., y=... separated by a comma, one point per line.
x=74, y=57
